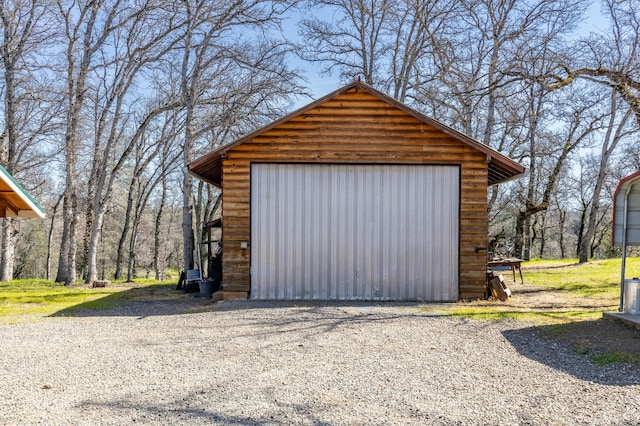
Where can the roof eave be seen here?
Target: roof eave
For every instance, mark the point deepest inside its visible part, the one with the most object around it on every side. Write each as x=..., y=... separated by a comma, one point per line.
x=198, y=169
x=493, y=155
x=34, y=209
x=509, y=179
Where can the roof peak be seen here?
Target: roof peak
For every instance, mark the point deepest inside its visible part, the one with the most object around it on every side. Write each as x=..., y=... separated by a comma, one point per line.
x=502, y=168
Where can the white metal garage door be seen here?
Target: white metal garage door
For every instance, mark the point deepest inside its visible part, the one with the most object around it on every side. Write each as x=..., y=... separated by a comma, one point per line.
x=373, y=232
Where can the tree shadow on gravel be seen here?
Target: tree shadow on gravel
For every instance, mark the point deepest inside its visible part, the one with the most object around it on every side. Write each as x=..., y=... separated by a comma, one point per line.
x=163, y=299
x=192, y=410
x=301, y=321
x=317, y=320
x=600, y=351
x=145, y=301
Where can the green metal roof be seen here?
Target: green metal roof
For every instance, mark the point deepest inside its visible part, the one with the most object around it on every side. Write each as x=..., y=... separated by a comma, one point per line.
x=16, y=201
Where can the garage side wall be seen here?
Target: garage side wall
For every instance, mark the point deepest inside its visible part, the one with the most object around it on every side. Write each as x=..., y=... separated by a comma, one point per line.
x=354, y=128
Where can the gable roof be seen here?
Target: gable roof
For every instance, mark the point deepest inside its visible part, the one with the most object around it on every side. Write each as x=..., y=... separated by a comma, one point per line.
x=15, y=201
x=501, y=168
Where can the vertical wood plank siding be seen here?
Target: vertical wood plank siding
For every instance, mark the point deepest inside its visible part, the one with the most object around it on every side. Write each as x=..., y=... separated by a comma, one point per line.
x=355, y=128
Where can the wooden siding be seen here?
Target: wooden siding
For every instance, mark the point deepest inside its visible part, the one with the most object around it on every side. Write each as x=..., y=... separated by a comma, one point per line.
x=355, y=127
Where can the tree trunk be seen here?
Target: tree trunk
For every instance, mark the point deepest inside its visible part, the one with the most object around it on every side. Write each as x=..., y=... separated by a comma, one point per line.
x=526, y=249
x=518, y=242
x=63, y=256
x=131, y=265
x=143, y=191
x=200, y=213
x=561, y=224
x=50, y=237
x=156, y=233
x=584, y=241
x=598, y=236
x=188, y=86
x=73, y=242
x=88, y=230
x=94, y=237
x=543, y=236
x=581, y=236
x=137, y=211
x=125, y=229
x=82, y=44
x=187, y=222
x=10, y=54
x=9, y=238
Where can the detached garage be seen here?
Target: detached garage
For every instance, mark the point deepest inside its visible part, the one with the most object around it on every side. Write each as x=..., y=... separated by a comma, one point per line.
x=355, y=197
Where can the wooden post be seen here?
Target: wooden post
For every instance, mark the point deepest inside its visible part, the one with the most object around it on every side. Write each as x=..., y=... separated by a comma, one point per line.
x=3, y=208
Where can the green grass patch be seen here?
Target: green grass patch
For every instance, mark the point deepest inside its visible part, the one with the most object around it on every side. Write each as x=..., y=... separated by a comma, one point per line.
x=550, y=263
x=581, y=348
x=141, y=293
x=613, y=357
x=33, y=300
x=597, y=280
x=505, y=312
x=592, y=279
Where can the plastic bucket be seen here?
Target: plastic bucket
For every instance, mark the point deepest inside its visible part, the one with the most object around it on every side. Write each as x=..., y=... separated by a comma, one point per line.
x=206, y=287
x=632, y=296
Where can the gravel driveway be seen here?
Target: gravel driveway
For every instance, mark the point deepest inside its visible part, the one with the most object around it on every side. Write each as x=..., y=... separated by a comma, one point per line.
x=318, y=364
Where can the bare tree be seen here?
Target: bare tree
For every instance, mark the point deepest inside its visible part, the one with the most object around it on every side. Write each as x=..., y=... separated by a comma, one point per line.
x=611, y=59
x=117, y=41
x=142, y=48
x=28, y=110
x=562, y=221
x=144, y=154
x=86, y=26
x=354, y=42
x=158, y=268
x=616, y=130
x=389, y=44
x=209, y=57
x=630, y=159
x=473, y=88
x=143, y=191
x=155, y=151
x=145, y=151
x=548, y=153
x=168, y=166
x=111, y=51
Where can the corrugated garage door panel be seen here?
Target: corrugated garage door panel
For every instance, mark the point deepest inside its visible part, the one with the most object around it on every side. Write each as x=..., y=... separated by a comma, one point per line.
x=374, y=232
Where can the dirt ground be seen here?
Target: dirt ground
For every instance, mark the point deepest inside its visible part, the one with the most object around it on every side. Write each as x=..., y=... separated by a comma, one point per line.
x=589, y=337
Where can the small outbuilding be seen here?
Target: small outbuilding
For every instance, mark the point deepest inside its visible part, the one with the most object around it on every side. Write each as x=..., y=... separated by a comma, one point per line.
x=355, y=197
x=15, y=201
